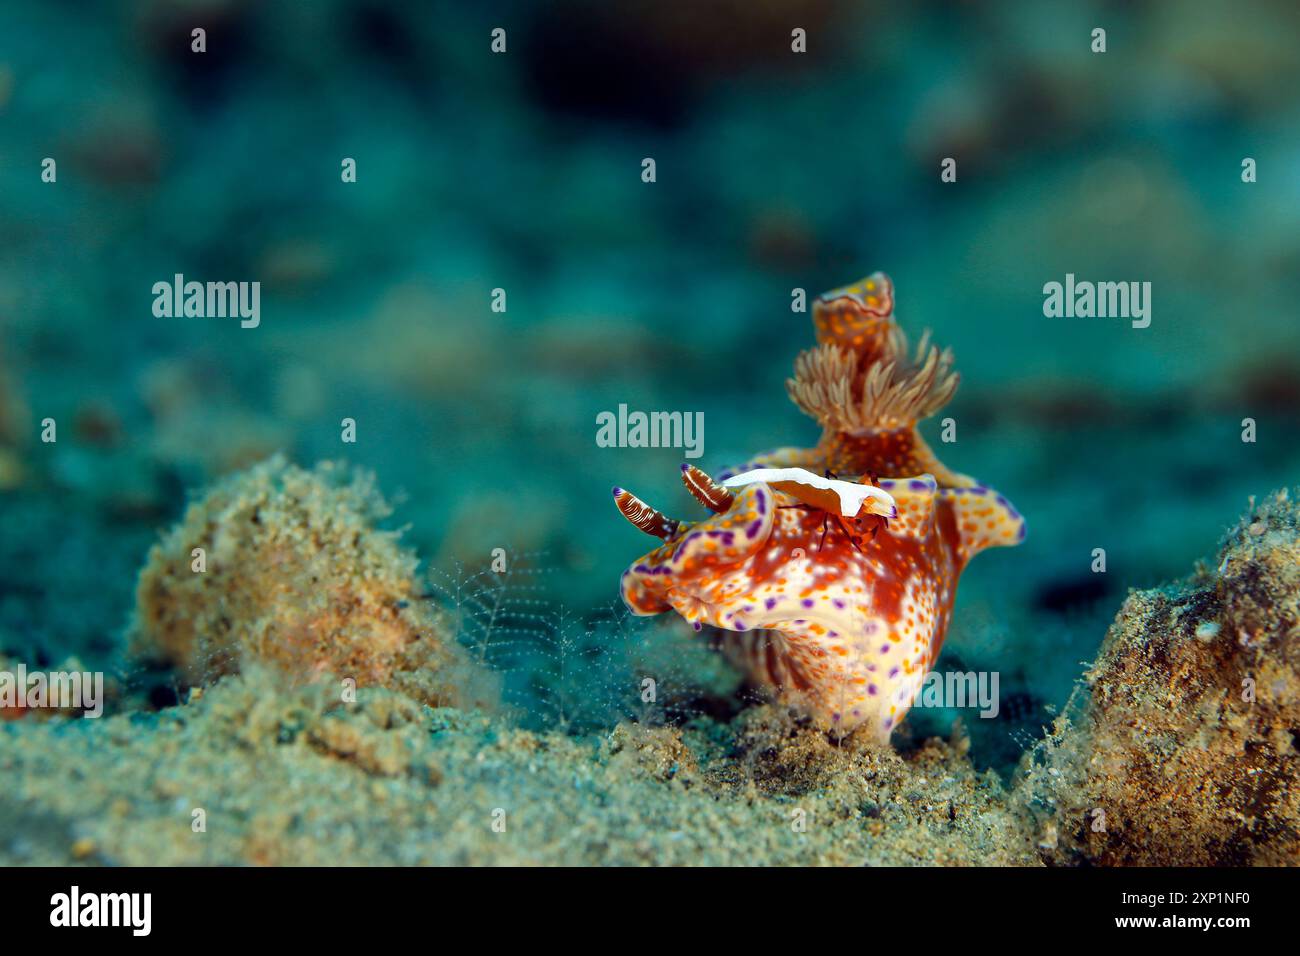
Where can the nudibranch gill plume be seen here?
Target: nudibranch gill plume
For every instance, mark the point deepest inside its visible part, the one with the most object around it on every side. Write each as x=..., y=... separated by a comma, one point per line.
x=832, y=571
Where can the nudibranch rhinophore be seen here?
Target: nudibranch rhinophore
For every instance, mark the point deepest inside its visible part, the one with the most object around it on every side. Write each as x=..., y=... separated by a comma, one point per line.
x=832, y=571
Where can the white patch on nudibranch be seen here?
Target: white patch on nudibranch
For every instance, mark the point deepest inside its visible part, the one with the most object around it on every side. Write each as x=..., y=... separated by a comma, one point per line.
x=851, y=494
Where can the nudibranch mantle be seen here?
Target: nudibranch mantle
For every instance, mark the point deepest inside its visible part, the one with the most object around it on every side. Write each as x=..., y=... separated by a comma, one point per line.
x=841, y=623
x=845, y=629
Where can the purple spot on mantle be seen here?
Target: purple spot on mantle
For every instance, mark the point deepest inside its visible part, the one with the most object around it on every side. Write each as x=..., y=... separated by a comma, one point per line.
x=884, y=648
x=685, y=541
x=871, y=689
x=770, y=603
x=807, y=602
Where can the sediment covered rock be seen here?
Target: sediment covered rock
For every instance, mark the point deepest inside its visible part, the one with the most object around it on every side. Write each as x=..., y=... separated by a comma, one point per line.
x=286, y=566
x=1186, y=753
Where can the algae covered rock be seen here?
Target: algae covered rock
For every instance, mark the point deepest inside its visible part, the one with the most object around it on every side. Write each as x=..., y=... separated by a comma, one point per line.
x=285, y=566
x=1191, y=733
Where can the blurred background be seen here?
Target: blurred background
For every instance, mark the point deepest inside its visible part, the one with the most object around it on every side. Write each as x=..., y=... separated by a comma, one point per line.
x=522, y=171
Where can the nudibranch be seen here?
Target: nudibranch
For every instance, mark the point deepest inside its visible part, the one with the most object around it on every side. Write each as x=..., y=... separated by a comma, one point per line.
x=832, y=571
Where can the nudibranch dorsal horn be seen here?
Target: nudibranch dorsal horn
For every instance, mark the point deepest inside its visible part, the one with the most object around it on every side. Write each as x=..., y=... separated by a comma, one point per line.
x=844, y=632
x=650, y=520
x=705, y=490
